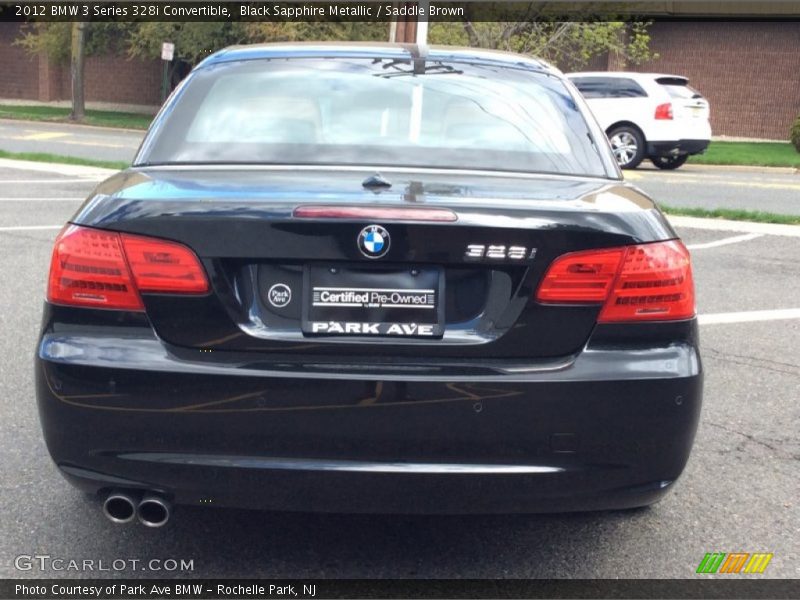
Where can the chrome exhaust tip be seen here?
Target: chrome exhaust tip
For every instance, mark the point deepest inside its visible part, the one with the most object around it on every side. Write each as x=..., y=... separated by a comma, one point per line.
x=153, y=511
x=119, y=507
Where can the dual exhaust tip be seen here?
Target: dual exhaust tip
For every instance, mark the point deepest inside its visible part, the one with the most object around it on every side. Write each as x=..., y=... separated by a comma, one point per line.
x=150, y=509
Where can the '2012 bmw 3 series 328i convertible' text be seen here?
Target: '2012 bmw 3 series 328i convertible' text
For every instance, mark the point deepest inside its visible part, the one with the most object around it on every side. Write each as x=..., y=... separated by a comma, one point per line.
x=370, y=278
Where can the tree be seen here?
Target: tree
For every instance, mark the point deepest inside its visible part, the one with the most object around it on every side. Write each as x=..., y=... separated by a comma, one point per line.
x=55, y=39
x=77, y=61
x=63, y=42
x=794, y=134
x=52, y=39
x=323, y=31
x=568, y=44
x=193, y=41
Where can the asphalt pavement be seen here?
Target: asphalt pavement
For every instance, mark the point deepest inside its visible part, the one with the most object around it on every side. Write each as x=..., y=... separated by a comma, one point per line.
x=82, y=141
x=770, y=190
x=775, y=190
x=740, y=491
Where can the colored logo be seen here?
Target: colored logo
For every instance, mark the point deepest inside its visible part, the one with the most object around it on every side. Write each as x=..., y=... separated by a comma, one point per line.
x=279, y=295
x=373, y=241
x=734, y=562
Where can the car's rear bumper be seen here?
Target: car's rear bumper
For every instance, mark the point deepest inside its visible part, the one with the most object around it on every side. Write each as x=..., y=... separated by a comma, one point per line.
x=677, y=147
x=610, y=428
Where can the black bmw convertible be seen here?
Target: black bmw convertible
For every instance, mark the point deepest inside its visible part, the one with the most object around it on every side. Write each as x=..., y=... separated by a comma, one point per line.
x=370, y=278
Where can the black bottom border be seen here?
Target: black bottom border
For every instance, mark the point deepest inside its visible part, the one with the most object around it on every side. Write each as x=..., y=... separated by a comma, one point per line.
x=729, y=587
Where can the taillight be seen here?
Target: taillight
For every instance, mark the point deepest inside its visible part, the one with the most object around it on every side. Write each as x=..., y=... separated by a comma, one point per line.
x=88, y=268
x=664, y=112
x=580, y=277
x=648, y=282
x=654, y=284
x=161, y=266
x=103, y=269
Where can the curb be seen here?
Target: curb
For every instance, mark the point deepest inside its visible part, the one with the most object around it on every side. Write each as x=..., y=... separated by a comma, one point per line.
x=8, y=121
x=729, y=225
x=59, y=168
x=751, y=168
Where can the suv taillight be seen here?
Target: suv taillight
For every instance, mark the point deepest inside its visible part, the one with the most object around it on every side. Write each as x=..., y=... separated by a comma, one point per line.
x=647, y=282
x=664, y=112
x=104, y=269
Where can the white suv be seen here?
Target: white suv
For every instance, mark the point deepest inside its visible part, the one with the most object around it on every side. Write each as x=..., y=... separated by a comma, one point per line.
x=647, y=115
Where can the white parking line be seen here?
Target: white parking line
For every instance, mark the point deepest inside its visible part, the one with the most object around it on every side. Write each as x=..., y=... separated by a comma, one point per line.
x=91, y=173
x=749, y=316
x=30, y=227
x=728, y=225
x=725, y=241
x=28, y=181
x=44, y=199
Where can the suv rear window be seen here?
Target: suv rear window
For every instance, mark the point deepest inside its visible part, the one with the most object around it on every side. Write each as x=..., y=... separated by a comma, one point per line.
x=375, y=112
x=678, y=87
x=609, y=87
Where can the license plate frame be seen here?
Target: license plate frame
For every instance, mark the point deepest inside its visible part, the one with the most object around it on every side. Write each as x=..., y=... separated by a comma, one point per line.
x=353, y=300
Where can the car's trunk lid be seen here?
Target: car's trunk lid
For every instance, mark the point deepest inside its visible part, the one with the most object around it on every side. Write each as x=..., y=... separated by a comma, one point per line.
x=466, y=252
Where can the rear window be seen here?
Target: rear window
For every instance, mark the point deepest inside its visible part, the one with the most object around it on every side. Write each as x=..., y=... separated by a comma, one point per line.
x=609, y=87
x=375, y=112
x=677, y=87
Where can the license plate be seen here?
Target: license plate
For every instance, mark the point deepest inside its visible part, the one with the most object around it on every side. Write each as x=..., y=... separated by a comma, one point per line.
x=370, y=301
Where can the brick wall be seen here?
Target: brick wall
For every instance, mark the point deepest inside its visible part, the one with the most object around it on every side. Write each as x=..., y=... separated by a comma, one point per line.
x=114, y=78
x=109, y=78
x=19, y=71
x=749, y=71
x=136, y=82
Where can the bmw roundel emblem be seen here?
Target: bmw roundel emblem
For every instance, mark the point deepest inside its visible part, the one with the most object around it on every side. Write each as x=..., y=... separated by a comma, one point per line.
x=373, y=241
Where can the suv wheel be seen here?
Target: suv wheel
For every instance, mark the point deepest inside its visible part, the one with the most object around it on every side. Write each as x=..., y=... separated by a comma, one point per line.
x=628, y=146
x=669, y=162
